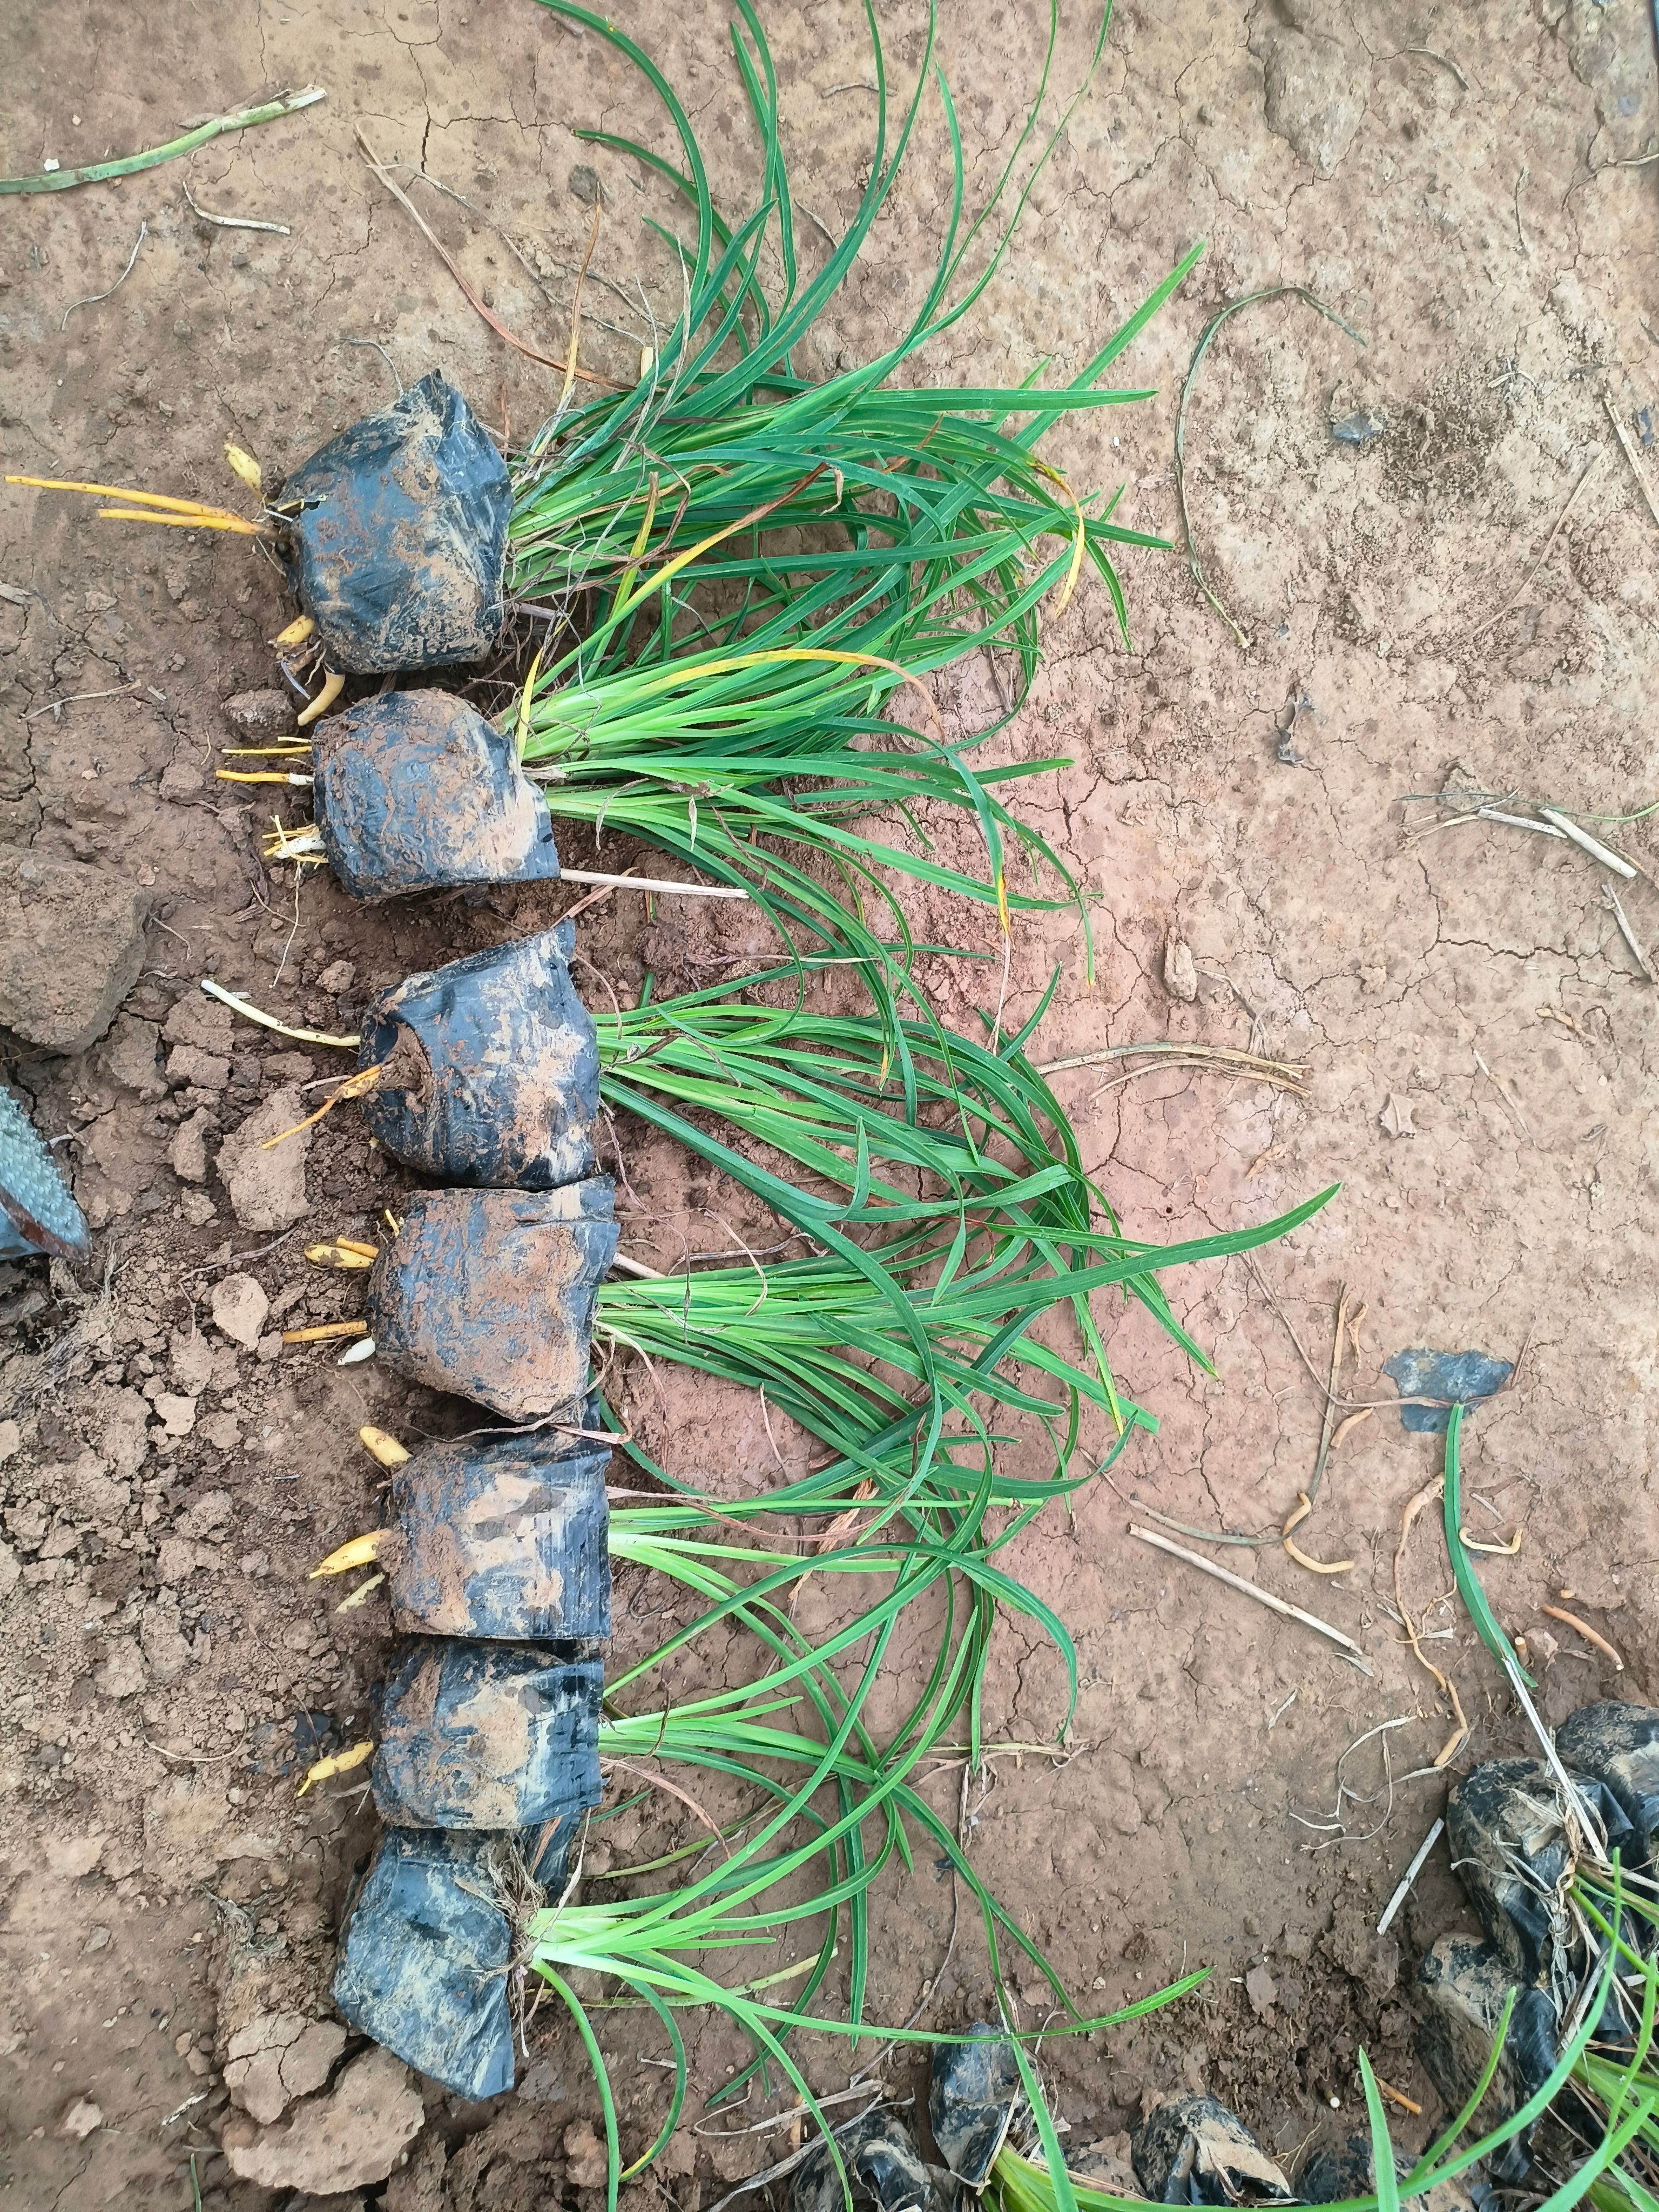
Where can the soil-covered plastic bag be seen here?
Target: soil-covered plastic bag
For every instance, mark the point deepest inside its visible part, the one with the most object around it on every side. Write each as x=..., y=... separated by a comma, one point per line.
x=501, y=1538
x=1513, y=1855
x=1463, y=1984
x=1193, y=2151
x=883, y=2164
x=489, y=1294
x=489, y=1070
x=971, y=2100
x=414, y=790
x=487, y=1735
x=399, y=547
x=1617, y=1746
x=424, y=1958
x=427, y=1942
x=1336, y=2173
x=37, y=1215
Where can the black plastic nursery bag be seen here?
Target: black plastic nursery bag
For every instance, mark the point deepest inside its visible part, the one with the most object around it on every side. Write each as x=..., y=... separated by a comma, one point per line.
x=487, y=1735
x=1513, y=1855
x=1336, y=2173
x=1193, y=2151
x=414, y=790
x=424, y=1955
x=971, y=2100
x=501, y=1537
x=883, y=2164
x=400, y=544
x=490, y=1068
x=1464, y=1984
x=1618, y=1746
x=489, y=1294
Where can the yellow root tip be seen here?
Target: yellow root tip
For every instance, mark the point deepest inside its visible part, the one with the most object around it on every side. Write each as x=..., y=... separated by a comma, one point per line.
x=333, y=685
x=379, y=1445
x=342, y=1763
x=359, y=1552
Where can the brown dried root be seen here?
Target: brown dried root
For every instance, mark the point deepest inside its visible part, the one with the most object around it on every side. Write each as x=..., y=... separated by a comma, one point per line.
x=1425, y=1497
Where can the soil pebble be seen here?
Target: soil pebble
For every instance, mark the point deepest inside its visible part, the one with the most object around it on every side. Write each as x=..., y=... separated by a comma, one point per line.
x=346, y=2138
x=240, y=1309
x=71, y=945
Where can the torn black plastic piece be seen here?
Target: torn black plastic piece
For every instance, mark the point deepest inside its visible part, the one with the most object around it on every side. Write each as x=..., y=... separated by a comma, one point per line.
x=490, y=1069
x=1617, y=1746
x=884, y=2166
x=1336, y=2173
x=974, y=2092
x=1193, y=2151
x=1464, y=1984
x=1514, y=1853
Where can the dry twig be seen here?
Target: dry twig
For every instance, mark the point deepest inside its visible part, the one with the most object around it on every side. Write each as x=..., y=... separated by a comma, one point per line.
x=1355, y=1656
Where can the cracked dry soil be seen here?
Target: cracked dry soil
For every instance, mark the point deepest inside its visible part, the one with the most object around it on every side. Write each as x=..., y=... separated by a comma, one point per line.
x=1475, y=1036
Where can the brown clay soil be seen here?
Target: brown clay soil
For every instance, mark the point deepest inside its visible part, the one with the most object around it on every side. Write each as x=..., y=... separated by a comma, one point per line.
x=1461, y=187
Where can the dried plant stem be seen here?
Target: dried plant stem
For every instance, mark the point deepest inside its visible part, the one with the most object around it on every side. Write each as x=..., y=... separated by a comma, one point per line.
x=1352, y=1651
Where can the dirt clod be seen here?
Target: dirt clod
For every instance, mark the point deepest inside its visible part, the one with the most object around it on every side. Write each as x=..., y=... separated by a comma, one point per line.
x=240, y=1309
x=266, y=712
x=344, y=2139
x=123, y=1673
x=1180, y=970
x=71, y=945
x=267, y=1190
x=277, y=2057
x=584, y=2157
